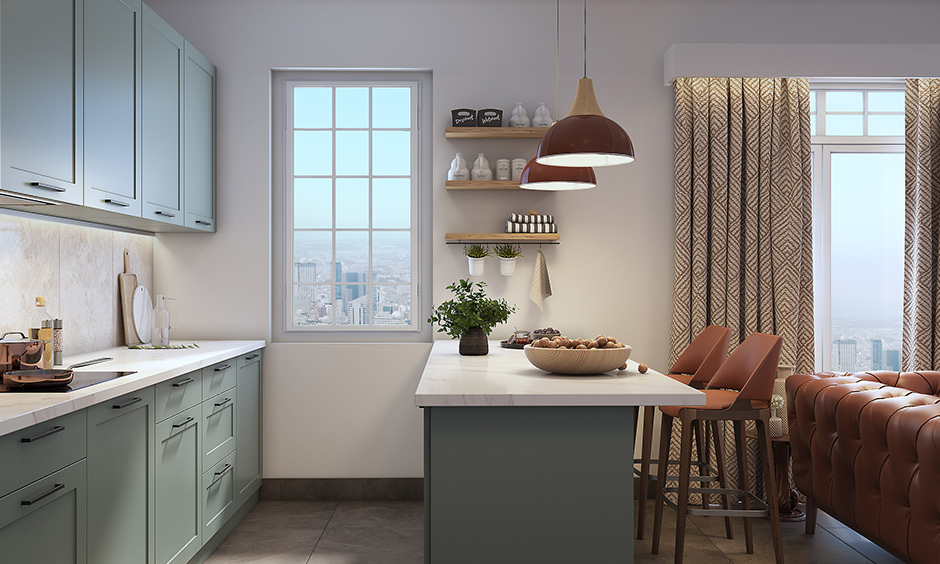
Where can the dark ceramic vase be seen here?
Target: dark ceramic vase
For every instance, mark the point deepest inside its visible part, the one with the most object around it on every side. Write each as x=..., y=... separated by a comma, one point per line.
x=473, y=342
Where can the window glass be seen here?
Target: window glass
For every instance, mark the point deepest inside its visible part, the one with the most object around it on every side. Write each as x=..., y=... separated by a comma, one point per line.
x=352, y=153
x=313, y=153
x=352, y=202
x=391, y=153
x=885, y=101
x=844, y=101
x=313, y=108
x=886, y=125
x=390, y=203
x=391, y=108
x=313, y=203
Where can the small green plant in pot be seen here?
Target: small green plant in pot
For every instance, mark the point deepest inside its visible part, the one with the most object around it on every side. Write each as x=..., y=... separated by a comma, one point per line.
x=507, y=253
x=476, y=254
x=470, y=316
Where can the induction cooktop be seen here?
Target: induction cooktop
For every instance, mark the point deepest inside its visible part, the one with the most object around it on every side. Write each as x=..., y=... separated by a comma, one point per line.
x=79, y=380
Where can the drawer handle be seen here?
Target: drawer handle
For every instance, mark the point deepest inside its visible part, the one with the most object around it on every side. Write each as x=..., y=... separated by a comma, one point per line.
x=183, y=382
x=43, y=495
x=43, y=435
x=184, y=423
x=218, y=475
x=223, y=368
x=163, y=213
x=116, y=203
x=252, y=357
x=223, y=402
x=45, y=186
x=129, y=402
x=201, y=222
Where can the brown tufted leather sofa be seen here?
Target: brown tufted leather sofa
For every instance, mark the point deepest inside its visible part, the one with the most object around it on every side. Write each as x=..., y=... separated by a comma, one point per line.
x=866, y=450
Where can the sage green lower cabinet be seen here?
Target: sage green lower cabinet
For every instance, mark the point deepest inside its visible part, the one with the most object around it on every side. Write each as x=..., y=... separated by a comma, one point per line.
x=179, y=487
x=218, y=427
x=45, y=521
x=120, y=479
x=218, y=484
x=248, y=426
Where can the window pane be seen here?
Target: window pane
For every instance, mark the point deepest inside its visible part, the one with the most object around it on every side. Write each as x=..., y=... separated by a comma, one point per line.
x=812, y=101
x=392, y=305
x=391, y=256
x=812, y=125
x=391, y=108
x=844, y=125
x=352, y=153
x=312, y=305
x=391, y=203
x=313, y=203
x=886, y=101
x=352, y=255
x=312, y=247
x=391, y=153
x=839, y=101
x=352, y=107
x=313, y=153
x=313, y=107
x=867, y=244
x=352, y=202
x=355, y=303
x=886, y=125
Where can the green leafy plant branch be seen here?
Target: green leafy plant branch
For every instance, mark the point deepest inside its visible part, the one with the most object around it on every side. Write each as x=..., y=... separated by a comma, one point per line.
x=470, y=308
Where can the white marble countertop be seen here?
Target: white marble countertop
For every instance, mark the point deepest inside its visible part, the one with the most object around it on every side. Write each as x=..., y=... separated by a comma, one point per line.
x=505, y=377
x=20, y=410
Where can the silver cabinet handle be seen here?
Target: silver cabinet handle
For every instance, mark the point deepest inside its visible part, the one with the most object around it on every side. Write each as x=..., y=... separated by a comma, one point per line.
x=43, y=435
x=129, y=402
x=218, y=475
x=252, y=357
x=223, y=402
x=183, y=382
x=163, y=213
x=114, y=202
x=184, y=423
x=223, y=368
x=201, y=222
x=45, y=186
x=43, y=495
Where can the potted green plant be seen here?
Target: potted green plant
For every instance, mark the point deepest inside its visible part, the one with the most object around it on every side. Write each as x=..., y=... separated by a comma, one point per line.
x=476, y=253
x=507, y=253
x=470, y=316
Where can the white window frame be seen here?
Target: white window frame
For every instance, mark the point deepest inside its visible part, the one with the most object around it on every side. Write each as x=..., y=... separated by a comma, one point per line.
x=283, y=328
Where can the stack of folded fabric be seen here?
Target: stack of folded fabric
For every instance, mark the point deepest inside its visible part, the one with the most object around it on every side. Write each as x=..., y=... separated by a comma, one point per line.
x=531, y=223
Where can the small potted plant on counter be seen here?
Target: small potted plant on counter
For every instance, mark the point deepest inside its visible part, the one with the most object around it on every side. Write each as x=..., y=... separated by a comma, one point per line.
x=476, y=254
x=470, y=316
x=507, y=253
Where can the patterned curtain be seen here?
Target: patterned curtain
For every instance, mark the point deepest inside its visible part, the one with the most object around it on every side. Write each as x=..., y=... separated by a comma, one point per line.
x=920, y=347
x=743, y=174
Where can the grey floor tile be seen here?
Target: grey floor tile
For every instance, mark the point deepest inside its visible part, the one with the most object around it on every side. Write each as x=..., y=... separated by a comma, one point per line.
x=362, y=532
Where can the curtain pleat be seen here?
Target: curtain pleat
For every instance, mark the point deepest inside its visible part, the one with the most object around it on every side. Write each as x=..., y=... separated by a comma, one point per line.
x=920, y=346
x=744, y=212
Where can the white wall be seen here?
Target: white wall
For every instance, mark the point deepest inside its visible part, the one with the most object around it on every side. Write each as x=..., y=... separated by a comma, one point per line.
x=335, y=411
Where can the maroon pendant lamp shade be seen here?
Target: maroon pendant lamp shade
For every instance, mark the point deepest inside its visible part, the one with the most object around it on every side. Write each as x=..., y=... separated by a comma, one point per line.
x=537, y=176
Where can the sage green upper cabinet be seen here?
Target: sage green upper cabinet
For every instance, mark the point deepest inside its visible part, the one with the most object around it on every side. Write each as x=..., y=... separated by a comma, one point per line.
x=199, y=140
x=162, y=78
x=112, y=101
x=121, y=479
x=41, y=94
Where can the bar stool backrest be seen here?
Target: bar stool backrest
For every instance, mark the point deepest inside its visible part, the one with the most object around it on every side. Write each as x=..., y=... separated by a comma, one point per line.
x=751, y=368
x=705, y=354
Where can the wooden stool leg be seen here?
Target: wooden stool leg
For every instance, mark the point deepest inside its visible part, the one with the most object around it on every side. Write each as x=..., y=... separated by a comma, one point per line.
x=685, y=473
x=645, y=455
x=700, y=451
x=718, y=438
x=810, y=516
x=664, y=439
x=770, y=485
x=741, y=449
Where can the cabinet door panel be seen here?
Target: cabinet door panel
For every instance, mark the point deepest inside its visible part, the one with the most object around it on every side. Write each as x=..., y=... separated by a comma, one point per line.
x=248, y=426
x=218, y=431
x=120, y=479
x=112, y=100
x=40, y=85
x=178, y=491
x=162, y=78
x=219, y=489
x=52, y=527
x=199, y=144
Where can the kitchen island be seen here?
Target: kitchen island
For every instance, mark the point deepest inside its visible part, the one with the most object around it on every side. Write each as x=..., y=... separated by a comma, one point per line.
x=526, y=466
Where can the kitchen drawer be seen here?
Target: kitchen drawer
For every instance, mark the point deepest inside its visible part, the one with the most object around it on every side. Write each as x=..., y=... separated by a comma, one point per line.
x=249, y=358
x=40, y=450
x=178, y=491
x=178, y=394
x=218, y=378
x=218, y=427
x=218, y=495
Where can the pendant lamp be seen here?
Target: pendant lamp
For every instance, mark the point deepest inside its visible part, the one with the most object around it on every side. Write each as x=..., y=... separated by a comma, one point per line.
x=585, y=137
x=537, y=176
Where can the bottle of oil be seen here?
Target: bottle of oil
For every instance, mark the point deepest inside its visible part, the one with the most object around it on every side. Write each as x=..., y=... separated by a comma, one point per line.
x=40, y=327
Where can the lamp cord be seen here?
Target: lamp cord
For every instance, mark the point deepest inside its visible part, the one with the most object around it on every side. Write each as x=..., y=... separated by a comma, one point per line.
x=557, y=35
x=585, y=38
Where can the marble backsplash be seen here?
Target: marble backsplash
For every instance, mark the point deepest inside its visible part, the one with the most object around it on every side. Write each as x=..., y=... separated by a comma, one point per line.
x=76, y=268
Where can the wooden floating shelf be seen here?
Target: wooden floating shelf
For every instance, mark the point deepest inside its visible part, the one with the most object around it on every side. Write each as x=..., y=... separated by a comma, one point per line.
x=495, y=132
x=482, y=185
x=545, y=238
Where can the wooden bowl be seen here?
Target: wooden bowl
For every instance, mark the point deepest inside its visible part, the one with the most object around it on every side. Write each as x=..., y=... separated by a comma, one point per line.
x=577, y=361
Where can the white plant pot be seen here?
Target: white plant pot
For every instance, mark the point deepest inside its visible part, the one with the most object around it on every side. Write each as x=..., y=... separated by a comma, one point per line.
x=476, y=266
x=507, y=266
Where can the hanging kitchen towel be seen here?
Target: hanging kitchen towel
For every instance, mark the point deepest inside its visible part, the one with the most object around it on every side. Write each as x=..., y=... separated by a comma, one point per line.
x=541, y=287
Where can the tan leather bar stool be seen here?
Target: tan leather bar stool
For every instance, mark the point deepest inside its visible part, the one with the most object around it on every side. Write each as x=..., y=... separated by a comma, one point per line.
x=740, y=391
x=695, y=367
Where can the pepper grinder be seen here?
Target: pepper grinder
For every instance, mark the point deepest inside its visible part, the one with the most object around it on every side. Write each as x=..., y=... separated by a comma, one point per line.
x=57, y=342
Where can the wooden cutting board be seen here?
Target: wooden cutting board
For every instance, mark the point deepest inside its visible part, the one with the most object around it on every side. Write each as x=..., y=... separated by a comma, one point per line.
x=128, y=283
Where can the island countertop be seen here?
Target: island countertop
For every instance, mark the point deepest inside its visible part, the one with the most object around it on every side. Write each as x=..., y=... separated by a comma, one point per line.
x=504, y=377
x=20, y=410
